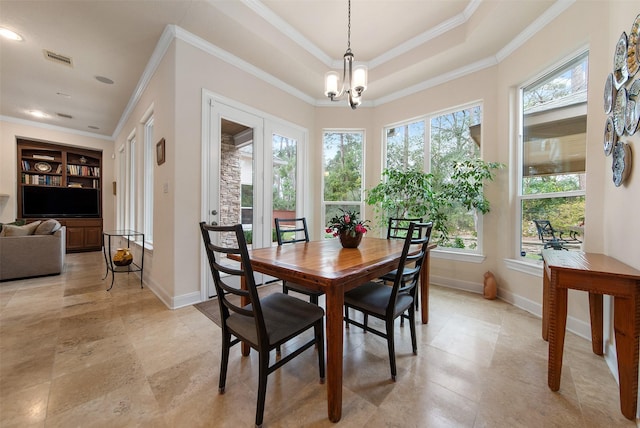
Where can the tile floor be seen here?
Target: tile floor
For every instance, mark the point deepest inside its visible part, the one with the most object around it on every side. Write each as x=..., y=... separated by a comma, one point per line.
x=75, y=355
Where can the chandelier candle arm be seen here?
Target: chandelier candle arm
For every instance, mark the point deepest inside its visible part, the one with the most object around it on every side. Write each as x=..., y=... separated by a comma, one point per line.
x=354, y=79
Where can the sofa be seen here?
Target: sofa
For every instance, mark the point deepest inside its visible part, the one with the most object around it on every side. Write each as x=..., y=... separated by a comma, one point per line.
x=28, y=251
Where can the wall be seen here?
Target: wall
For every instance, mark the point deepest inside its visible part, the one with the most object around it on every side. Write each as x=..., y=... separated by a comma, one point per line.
x=8, y=155
x=173, y=268
x=596, y=25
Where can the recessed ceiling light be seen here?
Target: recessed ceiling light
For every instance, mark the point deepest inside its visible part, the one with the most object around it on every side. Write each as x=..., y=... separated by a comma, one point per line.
x=65, y=115
x=92, y=127
x=63, y=95
x=38, y=114
x=104, y=80
x=10, y=35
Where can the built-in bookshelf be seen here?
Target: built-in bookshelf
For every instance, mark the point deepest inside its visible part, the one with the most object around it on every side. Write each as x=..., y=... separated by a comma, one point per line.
x=65, y=183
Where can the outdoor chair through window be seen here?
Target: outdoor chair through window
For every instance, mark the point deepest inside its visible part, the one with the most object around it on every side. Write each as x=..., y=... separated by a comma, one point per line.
x=265, y=323
x=388, y=303
x=552, y=238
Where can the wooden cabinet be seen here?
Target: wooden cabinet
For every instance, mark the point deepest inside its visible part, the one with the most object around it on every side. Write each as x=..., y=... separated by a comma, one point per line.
x=65, y=183
x=83, y=234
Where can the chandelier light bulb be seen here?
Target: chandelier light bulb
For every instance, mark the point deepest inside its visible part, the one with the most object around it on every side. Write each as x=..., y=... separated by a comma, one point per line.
x=354, y=79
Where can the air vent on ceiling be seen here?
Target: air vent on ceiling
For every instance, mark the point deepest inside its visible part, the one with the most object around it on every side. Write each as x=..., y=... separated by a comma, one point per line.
x=66, y=116
x=60, y=59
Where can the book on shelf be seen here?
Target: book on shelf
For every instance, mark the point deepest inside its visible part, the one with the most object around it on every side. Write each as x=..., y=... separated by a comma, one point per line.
x=43, y=157
x=72, y=184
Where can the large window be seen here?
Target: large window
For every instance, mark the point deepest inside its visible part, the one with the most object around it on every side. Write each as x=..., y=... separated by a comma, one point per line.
x=434, y=144
x=149, y=162
x=342, y=172
x=552, y=155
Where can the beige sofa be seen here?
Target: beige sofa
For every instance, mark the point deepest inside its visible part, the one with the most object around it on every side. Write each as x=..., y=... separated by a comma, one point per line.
x=32, y=255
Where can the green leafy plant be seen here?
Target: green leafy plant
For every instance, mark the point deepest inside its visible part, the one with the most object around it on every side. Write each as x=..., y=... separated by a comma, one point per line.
x=415, y=193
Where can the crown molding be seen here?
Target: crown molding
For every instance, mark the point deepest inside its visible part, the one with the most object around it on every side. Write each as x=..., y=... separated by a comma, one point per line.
x=57, y=128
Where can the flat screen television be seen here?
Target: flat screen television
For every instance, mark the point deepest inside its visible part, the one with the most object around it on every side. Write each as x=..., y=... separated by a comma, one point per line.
x=41, y=202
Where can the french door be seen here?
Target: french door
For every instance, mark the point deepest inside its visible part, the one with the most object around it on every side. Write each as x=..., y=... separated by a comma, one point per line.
x=250, y=171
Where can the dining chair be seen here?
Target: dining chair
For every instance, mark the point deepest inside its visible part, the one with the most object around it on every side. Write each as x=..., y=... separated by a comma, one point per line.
x=290, y=231
x=264, y=323
x=397, y=229
x=389, y=303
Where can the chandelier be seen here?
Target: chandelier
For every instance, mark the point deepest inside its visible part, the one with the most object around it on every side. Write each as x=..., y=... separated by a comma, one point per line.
x=354, y=79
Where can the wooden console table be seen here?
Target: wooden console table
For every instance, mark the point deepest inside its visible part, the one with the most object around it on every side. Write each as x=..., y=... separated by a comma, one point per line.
x=596, y=274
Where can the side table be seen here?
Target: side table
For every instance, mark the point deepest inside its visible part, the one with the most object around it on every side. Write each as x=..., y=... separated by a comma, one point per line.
x=596, y=274
x=129, y=235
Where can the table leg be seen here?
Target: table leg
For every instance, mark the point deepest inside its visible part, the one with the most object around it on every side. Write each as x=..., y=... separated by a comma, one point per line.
x=334, y=305
x=424, y=287
x=545, y=304
x=557, y=327
x=597, y=326
x=625, y=321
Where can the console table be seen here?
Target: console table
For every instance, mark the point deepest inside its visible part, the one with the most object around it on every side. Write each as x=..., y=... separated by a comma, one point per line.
x=129, y=235
x=596, y=274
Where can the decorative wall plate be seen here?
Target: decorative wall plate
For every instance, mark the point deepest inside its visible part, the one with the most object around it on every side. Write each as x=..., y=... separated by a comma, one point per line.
x=621, y=166
x=620, y=71
x=632, y=111
x=633, y=50
x=609, y=136
x=42, y=167
x=609, y=94
x=619, y=110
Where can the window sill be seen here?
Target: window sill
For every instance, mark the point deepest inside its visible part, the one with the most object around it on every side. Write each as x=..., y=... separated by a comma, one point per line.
x=457, y=256
x=529, y=268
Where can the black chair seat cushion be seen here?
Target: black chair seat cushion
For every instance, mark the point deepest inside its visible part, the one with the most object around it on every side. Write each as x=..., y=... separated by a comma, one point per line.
x=284, y=317
x=302, y=289
x=373, y=298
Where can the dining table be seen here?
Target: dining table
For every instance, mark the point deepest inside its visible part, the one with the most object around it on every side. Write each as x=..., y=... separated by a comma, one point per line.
x=326, y=266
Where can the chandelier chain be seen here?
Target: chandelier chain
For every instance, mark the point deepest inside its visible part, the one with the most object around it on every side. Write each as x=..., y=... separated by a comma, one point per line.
x=349, y=29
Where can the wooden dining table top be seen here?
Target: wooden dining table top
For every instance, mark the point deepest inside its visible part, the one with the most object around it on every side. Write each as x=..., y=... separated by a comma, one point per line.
x=321, y=264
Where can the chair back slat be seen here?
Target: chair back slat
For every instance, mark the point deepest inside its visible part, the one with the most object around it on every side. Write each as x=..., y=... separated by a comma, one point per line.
x=291, y=230
x=398, y=227
x=408, y=272
x=224, y=275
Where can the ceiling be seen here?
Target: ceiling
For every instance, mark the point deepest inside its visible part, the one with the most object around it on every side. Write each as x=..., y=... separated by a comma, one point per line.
x=407, y=44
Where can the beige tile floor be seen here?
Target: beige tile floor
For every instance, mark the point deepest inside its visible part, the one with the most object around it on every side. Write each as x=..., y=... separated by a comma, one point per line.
x=75, y=355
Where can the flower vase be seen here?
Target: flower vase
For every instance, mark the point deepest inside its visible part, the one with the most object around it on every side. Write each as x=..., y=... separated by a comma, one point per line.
x=349, y=241
x=122, y=257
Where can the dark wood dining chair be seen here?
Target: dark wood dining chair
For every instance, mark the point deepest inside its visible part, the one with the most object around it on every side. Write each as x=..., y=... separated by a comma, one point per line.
x=398, y=229
x=389, y=303
x=290, y=231
x=265, y=323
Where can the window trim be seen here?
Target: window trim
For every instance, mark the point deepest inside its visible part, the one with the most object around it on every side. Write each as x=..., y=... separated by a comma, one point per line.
x=518, y=262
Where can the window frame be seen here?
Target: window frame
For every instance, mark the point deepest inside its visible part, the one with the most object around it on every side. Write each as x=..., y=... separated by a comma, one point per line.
x=561, y=65
x=460, y=254
x=148, y=179
x=361, y=203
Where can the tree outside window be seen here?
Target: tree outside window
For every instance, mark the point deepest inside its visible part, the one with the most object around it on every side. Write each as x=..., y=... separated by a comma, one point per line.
x=342, y=174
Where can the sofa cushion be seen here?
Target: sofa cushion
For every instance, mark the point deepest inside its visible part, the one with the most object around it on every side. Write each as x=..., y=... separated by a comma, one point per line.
x=27, y=229
x=47, y=227
x=15, y=223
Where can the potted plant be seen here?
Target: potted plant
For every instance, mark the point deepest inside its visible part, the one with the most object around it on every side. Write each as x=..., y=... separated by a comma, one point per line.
x=348, y=228
x=415, y=193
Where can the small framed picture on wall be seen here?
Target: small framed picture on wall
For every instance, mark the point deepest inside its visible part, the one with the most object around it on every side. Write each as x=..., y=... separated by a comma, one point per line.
x=160, y=153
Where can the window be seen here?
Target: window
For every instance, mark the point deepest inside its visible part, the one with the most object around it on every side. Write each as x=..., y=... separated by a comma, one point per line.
x=454, y=136
x=285, y=183
x=131, y=219
x=342, y=172
x=552, y=154
x=149, y=163
x=121, y=189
